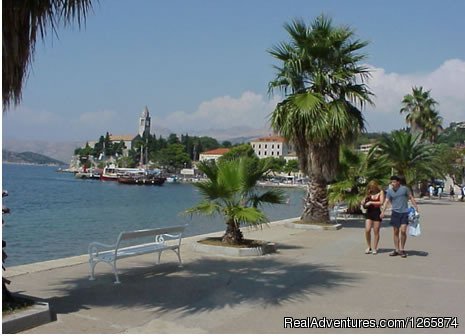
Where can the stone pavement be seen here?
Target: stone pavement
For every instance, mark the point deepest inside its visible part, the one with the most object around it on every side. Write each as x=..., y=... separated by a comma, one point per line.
x=314, y=274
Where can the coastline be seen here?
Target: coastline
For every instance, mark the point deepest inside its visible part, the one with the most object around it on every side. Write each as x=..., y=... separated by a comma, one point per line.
x=34, y=164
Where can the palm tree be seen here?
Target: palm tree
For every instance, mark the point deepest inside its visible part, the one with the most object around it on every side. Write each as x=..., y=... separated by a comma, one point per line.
x=324, y=92
x=356, y=170
x=23, y=22
x=432, y=126
x=230, y=191
x=408, y=156
x=419, y=108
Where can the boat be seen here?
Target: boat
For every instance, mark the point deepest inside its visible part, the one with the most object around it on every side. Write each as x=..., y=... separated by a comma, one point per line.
x=93, y=174
x=112, y=173
x=142, y=180
x=172, y=179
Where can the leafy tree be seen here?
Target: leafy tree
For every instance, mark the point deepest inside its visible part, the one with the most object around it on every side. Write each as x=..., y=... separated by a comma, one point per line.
x=226, y=144
x=244, y=150
x=173, y=139
x=231, y=192
x=276, y=165
x=324, y=88
x=291, y=166
x=174, y=157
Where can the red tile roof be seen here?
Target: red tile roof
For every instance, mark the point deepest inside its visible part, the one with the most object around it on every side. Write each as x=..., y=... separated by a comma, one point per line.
x=217, y=151
x=273, y=138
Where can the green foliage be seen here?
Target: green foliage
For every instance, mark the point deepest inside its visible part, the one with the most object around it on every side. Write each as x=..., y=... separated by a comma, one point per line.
x=452, y=135
x=409, y=156
x=318, y=75
x=231, y=192
x=173, y=157
x=421, y=114
x=355, y=171
x=276, y=165
x=236, y=152
x=291, y=166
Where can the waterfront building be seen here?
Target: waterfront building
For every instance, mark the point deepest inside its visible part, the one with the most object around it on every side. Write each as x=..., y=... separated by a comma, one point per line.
x=213, y=154
x=273, y=146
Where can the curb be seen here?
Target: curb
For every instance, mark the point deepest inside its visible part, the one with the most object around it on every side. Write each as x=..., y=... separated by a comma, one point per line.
x=28, y=318
x=265, y=248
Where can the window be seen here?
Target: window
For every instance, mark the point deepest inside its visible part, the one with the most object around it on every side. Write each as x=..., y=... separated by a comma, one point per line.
x=278, y=146
x=272, y=153
x=264, y=153
x=259, y=153
x=260, y=146
x=266, y=146
x=272, y=146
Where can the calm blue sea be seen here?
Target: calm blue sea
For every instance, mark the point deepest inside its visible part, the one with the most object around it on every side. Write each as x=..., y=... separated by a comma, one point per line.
x=54, y=215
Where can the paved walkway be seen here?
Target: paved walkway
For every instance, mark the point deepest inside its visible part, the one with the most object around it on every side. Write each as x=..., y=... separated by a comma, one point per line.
x=315, y=274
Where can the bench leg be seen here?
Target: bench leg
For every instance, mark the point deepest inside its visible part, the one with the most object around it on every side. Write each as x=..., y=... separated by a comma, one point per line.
x=115, y=270
x=159, y=256
x=91, y=269
x=178, y=253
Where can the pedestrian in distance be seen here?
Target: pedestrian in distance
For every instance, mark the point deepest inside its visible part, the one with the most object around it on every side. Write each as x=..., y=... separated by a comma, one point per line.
x=462, y=190
x=373, y=201
x=430, y=191
x=440, y=192
x=398, y=197
x=451, y=193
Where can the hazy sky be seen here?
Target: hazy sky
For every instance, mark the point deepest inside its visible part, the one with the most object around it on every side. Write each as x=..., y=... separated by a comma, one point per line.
x=204, y=64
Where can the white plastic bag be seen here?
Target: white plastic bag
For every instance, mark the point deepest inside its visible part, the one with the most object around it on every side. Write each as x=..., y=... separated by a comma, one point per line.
x=414, y=228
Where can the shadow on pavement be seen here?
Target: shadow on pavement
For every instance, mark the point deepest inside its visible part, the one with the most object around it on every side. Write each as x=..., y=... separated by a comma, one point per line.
x=202, y=285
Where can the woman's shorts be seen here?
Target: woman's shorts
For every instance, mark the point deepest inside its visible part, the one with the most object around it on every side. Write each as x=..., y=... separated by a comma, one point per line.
x=399, y=218
x=373, y=214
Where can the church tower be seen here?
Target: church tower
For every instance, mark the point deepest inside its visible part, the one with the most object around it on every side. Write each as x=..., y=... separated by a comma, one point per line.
x=144, y=122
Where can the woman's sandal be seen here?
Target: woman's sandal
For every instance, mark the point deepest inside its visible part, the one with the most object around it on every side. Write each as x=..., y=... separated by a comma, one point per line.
x=403, y=254
x=368, y=250
x=394, y=253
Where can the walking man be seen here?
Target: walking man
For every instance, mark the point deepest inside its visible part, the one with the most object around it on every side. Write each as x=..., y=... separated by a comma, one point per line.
x=398, y=196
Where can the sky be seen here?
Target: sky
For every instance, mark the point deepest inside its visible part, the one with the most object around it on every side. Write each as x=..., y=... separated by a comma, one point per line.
x=200, y=65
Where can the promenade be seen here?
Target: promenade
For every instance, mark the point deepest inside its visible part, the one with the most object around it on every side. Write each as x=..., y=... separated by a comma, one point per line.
x=314, y=274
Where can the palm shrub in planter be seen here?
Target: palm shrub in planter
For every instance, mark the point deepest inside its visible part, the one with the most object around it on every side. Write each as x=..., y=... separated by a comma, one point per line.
x=231, y=192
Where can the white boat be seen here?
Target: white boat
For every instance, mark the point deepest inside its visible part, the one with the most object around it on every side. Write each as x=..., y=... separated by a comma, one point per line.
x=111, y=173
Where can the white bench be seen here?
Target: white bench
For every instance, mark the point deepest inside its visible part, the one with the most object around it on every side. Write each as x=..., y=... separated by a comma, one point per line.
x=168, y=238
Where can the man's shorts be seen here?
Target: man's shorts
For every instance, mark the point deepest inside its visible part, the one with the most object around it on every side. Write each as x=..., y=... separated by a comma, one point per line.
x=399, y=218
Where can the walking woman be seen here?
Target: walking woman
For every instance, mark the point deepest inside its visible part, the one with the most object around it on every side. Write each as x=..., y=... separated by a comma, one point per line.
x=372, y=203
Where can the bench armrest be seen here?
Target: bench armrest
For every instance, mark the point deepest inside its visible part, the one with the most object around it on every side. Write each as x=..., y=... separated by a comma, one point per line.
x=96, y=247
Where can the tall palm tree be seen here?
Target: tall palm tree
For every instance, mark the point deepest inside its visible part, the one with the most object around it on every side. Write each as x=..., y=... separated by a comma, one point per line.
x=23, y=22
x=408, y=156
x=432, y=126
x=231, y=192
x=419, y=108
x=324, y=90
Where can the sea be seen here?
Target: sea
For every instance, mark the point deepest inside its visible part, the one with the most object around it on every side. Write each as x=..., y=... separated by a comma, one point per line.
x=55, y=215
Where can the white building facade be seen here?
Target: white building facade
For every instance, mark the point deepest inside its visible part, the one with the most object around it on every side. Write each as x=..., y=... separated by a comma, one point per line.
x=273, y=146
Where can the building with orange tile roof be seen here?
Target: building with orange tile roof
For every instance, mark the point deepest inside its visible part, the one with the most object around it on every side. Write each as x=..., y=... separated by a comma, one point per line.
x=213, y=154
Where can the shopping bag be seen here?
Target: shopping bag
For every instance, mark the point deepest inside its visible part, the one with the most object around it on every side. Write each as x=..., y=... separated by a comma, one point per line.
x=414, y=227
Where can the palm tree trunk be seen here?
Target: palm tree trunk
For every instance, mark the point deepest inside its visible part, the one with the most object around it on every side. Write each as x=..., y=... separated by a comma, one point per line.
x=316, y=202
x=233, y=234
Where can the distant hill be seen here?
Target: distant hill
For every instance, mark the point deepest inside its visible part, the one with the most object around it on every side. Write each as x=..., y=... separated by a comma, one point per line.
x=30, y=158
x=59, y=150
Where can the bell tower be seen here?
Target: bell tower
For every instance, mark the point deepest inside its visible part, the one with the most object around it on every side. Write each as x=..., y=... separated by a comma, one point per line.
x=144, y=122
